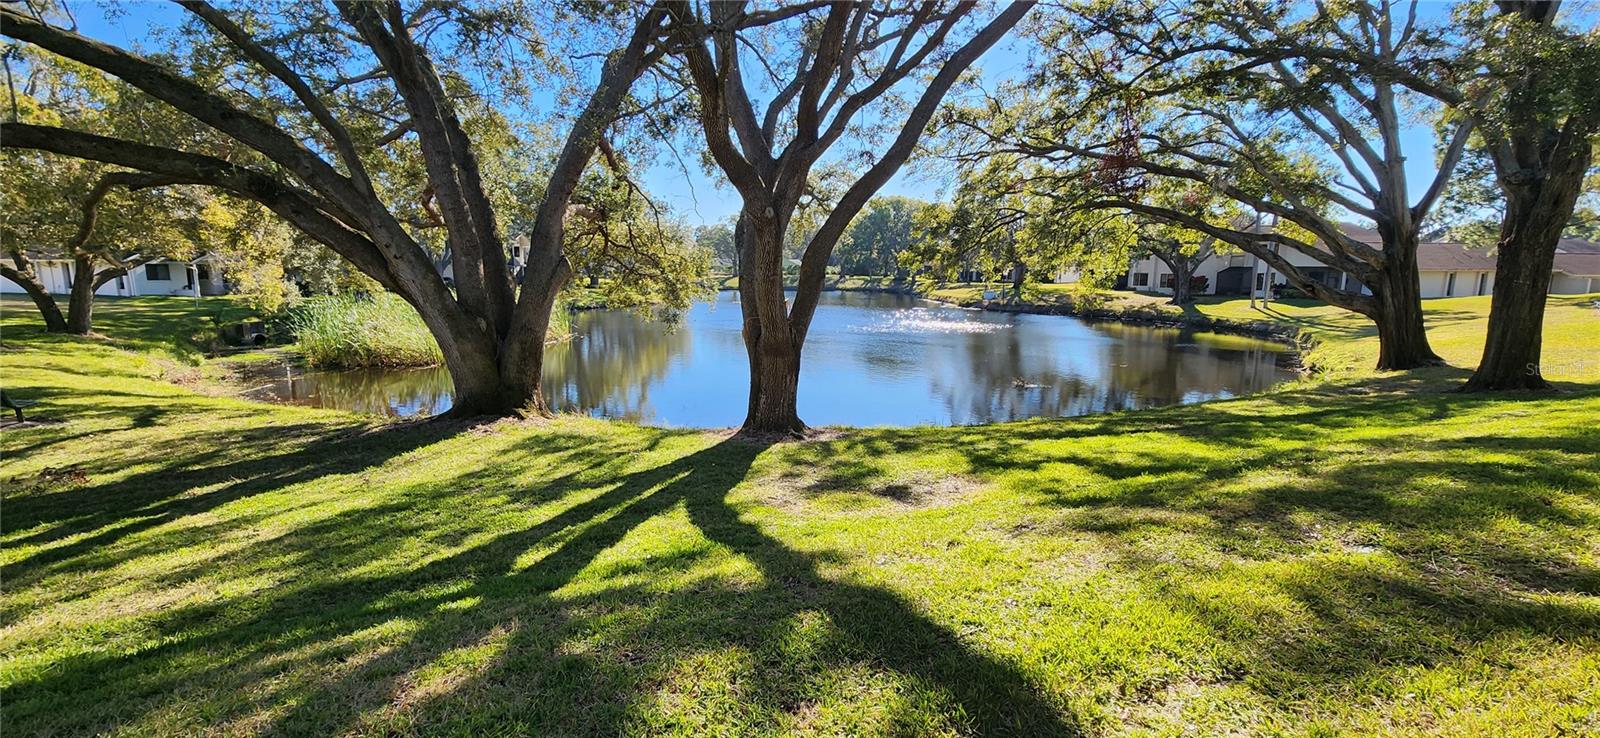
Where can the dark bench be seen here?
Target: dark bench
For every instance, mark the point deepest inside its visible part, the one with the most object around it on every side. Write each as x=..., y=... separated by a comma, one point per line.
x=15, y=405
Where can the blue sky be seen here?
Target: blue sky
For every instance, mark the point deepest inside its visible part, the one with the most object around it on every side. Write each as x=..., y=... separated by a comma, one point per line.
x=697, y=196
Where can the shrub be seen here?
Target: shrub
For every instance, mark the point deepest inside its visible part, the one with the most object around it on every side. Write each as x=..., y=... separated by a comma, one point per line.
x=352, y=332
x=348, y=331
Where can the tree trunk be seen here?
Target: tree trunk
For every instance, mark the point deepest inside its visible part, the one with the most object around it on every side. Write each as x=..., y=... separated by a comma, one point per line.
x=487, y=378
x=774, y=383
x=1516, y=312
x=773, y=353
x=48, y=309
x=490, y=374
x=1536, y=213
x=80, y=306
x=1019, y=272
x=1182, y=277
x=1402, y=337
x=501, y=374
x=475, y=379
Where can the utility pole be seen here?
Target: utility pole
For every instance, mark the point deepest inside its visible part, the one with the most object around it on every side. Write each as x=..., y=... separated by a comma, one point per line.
x=1266, y=284
x=1255, y=261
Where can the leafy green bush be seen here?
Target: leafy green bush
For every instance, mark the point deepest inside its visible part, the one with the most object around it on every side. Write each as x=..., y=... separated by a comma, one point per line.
x=348, y=331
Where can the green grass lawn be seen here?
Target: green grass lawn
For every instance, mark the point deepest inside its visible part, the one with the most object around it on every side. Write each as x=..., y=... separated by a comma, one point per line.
x=1364, y=555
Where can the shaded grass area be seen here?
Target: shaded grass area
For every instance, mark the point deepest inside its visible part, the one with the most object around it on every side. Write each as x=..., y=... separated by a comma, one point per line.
x=1372, y=555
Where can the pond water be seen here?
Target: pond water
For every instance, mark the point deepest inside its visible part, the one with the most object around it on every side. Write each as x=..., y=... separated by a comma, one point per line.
x=870, y=359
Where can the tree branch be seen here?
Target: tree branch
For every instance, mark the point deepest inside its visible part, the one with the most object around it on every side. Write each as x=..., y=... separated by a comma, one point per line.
x=301, y=208
x=813, y=265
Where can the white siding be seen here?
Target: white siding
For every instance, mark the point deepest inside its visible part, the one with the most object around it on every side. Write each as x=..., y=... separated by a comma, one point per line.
x=57, y=278
x=1434, y=283
x=1562, y=283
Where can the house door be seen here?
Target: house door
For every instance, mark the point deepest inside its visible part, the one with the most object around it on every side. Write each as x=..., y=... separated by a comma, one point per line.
x=1233, y=281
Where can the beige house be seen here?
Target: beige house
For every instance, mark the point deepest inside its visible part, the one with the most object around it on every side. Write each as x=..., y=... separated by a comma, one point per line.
x=1577, y=269
x=1445, y=269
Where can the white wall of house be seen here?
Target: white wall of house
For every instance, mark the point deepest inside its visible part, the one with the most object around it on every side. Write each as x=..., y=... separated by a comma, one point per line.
x=55, y=275
x=1456, y=283
x=1562, y=283
x=156, y=278
x=163, y=278
x=1238, y=273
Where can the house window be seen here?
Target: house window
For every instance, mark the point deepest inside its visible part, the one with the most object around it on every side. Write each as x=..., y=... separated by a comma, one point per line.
x=1483, y=283
x=204, y=272
x=158, y=272
x=1260, y=280
x=1140, y=279
x=1450, y=285
x=516, y=252
x=121, y=284
x=1166, y=281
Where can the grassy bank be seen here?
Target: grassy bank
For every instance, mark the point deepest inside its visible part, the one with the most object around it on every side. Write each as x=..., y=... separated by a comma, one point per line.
x=1367, y=555
x=347, y=331
x=1340, y=343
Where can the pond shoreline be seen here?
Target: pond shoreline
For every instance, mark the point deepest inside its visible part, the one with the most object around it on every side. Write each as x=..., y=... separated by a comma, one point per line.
x=975, y=366
x=1267, y=330
x=1290, y=336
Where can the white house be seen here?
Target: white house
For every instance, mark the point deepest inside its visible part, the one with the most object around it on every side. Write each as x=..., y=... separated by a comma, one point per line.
x=191, y=278
x=517, y=258
x=1577, y=269
x=1445, y=269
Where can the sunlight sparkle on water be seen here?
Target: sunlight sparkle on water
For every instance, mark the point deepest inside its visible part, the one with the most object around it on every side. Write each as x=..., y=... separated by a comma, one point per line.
x=922, y=320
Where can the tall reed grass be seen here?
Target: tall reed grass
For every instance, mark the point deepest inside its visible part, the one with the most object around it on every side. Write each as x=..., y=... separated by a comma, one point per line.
x=350, y=332
x=346, y=331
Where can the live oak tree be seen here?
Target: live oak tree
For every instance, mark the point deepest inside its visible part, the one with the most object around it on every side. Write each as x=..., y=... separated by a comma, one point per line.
x=1529, y=85
x=877, y=237
x=1182, y=248
x=991, y=227
x=831, y=63
x=1021, y=214
x=1291, y=112
x=1182, y=255
x=717, y=240
x=320, y=105
x=104, y=223
x=631, y=251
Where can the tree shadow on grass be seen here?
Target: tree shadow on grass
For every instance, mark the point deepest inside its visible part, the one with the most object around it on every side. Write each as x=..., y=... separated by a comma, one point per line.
x=537, y=617
x=1324, y=531
x=111, y=512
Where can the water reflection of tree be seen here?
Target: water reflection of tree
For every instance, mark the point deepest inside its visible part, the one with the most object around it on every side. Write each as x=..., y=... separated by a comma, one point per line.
x=1142, y=367
x=1004, y=380
x=1167, y=366
x=608, y=367
x=395, y=392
